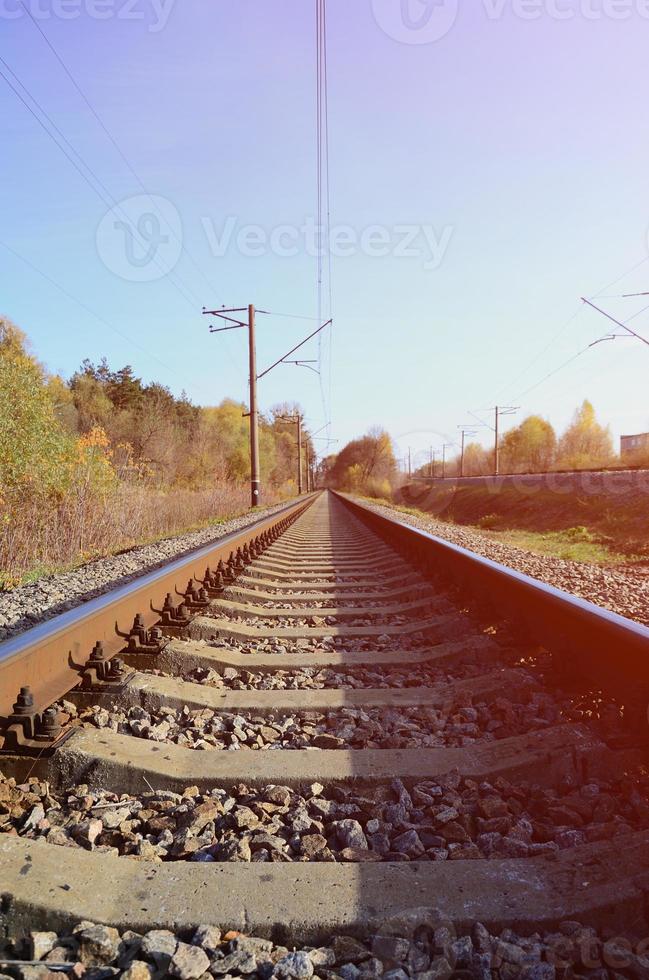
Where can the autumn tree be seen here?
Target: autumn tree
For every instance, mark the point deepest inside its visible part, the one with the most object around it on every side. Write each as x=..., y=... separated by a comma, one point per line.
x=365, y=465
x=528, y=448
x=34, y=449
x=477, y=460
x=585, y=443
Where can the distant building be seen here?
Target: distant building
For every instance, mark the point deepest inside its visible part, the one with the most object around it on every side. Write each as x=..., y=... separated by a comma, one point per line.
x=634, y=444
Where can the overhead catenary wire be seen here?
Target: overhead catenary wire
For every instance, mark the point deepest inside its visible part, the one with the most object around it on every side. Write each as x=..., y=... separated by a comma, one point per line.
x=566, y=324
x=323, y=194
x=578, y=354
x=97, y=316
x=112, y=140
x=88, y=174
x=84, y=169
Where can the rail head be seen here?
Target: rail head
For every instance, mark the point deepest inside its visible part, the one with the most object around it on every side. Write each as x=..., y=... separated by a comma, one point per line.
x=610, y=648
x=46, y=656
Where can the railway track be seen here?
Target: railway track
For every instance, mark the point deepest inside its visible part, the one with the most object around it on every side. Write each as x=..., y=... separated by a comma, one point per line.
x=347, y=736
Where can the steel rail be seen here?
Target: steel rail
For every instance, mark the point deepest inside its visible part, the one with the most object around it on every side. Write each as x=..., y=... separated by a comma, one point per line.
x=47, y=657
x=585, y=639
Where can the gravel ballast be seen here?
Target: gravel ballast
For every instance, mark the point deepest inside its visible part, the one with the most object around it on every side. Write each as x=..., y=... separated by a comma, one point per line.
x=332, y=679
x=625, y=592
x=25, y=606
x=461, y=724
x=443, y=819
x=423, y=944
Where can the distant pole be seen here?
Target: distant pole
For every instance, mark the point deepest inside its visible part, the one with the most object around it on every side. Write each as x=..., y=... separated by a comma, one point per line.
x=409, y=463
x=299, y=454
x=255, y=482
x=445, y=446
x=462, y=454
x=499, y=411
x=431, y=464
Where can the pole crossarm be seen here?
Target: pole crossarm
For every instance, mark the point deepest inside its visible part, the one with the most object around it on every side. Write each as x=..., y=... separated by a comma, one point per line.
x=293, y=349
x=237, y=309
x=237, y=326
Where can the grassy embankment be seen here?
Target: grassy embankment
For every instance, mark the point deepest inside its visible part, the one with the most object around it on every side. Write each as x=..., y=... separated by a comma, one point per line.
x=600, y=528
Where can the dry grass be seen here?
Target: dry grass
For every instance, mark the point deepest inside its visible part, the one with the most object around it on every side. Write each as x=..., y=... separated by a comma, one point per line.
x=37, y=538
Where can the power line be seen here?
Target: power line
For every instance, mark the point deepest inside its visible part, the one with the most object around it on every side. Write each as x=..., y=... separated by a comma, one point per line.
x=540, y=354
x=112, y=139
x=288, y=316
x=629, y=331
x=567, y=323
x=96, y=184
x=323, y=195
x=49, y=133
x=88, y=309
x=94, y=181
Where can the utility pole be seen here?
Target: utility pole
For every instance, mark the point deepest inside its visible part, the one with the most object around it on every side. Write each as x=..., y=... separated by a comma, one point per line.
x=447, y=445
x=409, y=463
x=255, y=480
x=298, y=421
x=499, y=411
x=299, y=454
x=466, y=431
x=434, y=453
x=235, y=324
x=255, y=487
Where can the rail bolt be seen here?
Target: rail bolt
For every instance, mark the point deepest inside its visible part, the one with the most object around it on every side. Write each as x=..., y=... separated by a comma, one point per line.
x=24, y=704
x=47, y=726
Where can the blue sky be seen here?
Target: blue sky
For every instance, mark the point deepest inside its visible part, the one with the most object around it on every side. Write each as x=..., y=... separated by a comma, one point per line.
x=508, y=155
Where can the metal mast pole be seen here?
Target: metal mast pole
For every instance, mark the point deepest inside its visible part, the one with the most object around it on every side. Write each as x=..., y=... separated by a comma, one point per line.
x=299, y=454
x=255, y=483
x=496, y=452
